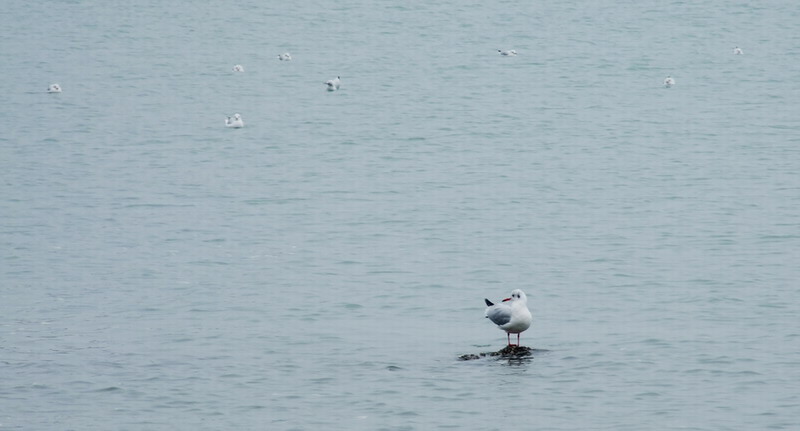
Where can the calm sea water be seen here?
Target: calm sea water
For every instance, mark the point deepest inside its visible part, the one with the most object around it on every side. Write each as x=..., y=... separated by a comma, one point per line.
x=324, y=267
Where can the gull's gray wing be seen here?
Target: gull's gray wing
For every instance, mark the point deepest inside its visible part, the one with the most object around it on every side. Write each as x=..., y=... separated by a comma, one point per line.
x=499, y=314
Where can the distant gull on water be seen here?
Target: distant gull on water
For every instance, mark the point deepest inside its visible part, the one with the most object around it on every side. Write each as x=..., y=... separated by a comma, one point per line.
x=236, y=122
x=333, y=84
x=737, y=51
x=509, y=53
x=669, y=82
x=54, y=88
x=285, y=57
x=511, y=315
x=238, y=68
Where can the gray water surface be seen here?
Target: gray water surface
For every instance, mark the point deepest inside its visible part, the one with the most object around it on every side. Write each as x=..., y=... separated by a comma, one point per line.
x=324, y=267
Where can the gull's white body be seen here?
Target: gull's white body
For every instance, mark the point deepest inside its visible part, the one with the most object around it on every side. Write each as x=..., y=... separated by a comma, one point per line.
x=236, y=122
x=333, y=84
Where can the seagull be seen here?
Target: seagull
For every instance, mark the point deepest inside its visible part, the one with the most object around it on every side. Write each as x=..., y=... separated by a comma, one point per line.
x=333, y=84
x=737, y=51
x=511, y=315
x=238, y=68
x=510, y=53
x=54, y=88
x=669, y=82
x=285, y=57
x=235, y=122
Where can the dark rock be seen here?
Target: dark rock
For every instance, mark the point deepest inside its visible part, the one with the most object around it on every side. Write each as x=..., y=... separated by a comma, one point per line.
x=515, y=352
x=508, y=352
x=471, y=356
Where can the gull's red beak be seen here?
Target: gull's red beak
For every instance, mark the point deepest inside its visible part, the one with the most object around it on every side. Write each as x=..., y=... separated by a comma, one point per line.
x=507, y=299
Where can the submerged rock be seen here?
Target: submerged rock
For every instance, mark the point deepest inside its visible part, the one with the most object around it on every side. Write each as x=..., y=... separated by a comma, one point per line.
x=508, y=352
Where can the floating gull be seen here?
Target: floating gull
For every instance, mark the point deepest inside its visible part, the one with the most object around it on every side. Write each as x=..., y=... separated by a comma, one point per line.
x=511, y=315
x=235, y=122
x=238, y=68
x=333, y=84
x=669, y=82
x=285, y=57
x=737, y=51
x=510, y=53
x=54, y=88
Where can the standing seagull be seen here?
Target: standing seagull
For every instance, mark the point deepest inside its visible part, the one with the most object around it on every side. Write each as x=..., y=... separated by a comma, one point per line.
x=511, y=315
